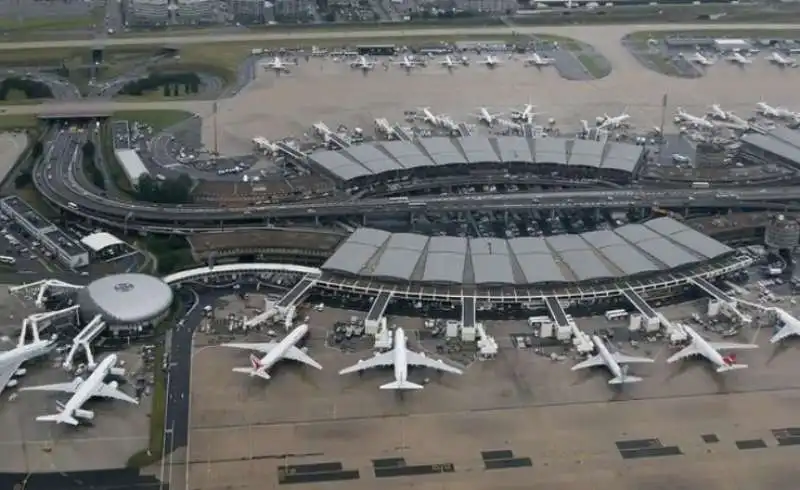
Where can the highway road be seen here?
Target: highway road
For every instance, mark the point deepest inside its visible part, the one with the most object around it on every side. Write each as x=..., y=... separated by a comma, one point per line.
x=582, y=31
x=60, y=179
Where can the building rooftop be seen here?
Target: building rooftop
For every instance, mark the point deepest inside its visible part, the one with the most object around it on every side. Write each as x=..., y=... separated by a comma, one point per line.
x=376, y=158
x=636, y=249
x=126, y=298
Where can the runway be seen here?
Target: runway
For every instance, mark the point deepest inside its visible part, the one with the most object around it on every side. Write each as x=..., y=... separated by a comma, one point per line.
x=582, y=32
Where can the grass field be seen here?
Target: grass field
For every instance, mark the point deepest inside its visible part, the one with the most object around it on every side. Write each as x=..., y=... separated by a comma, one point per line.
x=596, y=68
x=17, y=121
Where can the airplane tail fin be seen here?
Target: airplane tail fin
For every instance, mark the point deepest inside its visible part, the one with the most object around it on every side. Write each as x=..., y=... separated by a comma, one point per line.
x=731, y=367
x=624, y=380
x=401, y=385
x=59, y=418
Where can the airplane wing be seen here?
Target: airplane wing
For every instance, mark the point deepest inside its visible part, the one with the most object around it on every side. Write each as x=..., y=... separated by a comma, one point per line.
x=684, y=353
x=107, y=390
x=731, y=346
x=787, y=330
x=7, y=370
x=384, y=359
x=625, y=359
x=417, y=359
x=594, y=361
x=296, y=354
x=256, y=346
x=70, y=387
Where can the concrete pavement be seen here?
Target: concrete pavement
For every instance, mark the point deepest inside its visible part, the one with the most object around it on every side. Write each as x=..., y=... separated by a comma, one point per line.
x=580, y=32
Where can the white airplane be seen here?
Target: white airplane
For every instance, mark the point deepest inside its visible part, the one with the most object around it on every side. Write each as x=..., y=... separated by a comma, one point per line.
x=449, y=63
x=791, y=325
x=82, y=391
x=409, y=63
x=537, y=60
x=612, y=361
x=274, y=352
x=279, y=65
x=710, y=350
x=736, y=57
x=781, y=60
x=605, y=121
x=526, y=115
x=717, y=112
x=362, y=63
x=491, y=61
x=698, y=122
x=11, y=360
x=401, y=358
x=780, y=112
x=487, y=117
x=429, y=117
x=700, y=59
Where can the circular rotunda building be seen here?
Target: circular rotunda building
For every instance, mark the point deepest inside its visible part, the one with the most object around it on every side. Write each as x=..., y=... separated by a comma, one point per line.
x=126, y=301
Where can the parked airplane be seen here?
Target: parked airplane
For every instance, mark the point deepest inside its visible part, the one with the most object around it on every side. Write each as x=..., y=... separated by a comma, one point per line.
x=612, y=361
x=697, y=122
x=781, y=60
x=710, y=350
x=279, y=65
x=736, y=57
x=526, y=115
x=486, y=117
x=491, y=61
x=451, y=64
x=429, y=117
x=700, y=59
x=362, y=63
x=790, y=327
x=780, y=112
x=11, y=360
x=409, y=63
x=537, y=60
x=607, y=122
x=717, y=112
x=401, y=358
x=274, y=352
x=82, y=391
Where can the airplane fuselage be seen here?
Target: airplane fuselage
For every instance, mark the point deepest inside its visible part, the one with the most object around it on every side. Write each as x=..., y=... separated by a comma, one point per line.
x=400, y=358
x=277, y=353
x=706, y=350
x=608, y=359
x=87, y=389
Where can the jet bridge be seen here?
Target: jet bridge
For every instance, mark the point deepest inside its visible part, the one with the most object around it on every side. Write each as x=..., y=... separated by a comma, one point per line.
x=402, y=133
x=40, y=321
x=285, y=306
x=42, y=287
x=713, y=290
x=83, y=340
x=288, y=151
x=651, y=316
x=298, y=291
x=469, y=330
x=375, y=319
x=330, y=137
x=564, y=326
x=463, y=130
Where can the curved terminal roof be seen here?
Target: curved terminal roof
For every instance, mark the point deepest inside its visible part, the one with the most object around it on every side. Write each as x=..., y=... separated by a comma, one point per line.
x=126, y=298
x=629, y=250
x=100, y=240
x=376, y=158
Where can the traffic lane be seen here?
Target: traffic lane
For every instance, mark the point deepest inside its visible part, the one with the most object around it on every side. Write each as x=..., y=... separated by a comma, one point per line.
x=179, y=375
x=545, y=200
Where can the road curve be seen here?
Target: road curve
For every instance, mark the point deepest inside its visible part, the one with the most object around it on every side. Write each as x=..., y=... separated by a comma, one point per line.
x=583, y=32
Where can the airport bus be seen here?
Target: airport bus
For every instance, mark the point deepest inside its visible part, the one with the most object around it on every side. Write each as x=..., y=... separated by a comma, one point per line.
x=4, y=259
x=612, y=315
x=700, y=185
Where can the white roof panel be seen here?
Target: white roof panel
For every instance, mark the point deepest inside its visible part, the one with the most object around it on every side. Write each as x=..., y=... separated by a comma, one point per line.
x=586, y=153
x=478, y=149
x=444, y=267
x=373, y=159
x=550, y=151
x=100, y=240
x=131, y=164
x=514, y=149
x=442, y=151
